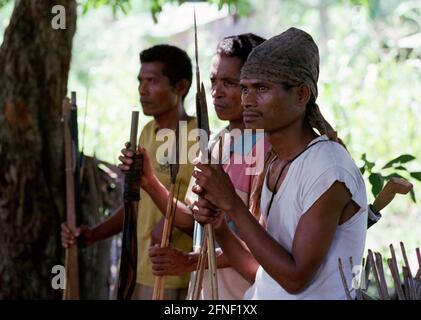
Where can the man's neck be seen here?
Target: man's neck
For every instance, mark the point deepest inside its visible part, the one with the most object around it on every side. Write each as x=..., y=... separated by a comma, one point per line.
x=236, y=124
x=170, y=119
x=288, y=142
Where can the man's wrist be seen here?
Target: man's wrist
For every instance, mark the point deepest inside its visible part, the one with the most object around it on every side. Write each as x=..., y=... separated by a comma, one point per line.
x=192, y=258
x=235, y=207
x=373, y=214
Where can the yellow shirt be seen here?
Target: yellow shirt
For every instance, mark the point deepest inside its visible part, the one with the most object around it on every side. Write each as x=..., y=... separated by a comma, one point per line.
x=149, y=214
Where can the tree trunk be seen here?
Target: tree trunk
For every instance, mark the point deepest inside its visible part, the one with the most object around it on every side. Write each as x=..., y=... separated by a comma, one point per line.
x=34, y=66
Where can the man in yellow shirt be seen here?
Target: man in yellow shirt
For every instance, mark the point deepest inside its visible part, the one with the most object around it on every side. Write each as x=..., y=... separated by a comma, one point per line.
x=164, y=81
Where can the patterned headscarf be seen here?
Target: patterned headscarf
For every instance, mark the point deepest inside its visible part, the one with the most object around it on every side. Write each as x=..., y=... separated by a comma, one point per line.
x=291, y=58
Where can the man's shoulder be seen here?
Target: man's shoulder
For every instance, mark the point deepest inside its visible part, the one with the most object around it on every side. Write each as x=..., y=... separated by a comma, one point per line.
x=149, y=126
x=327, y=155
x=192, y=123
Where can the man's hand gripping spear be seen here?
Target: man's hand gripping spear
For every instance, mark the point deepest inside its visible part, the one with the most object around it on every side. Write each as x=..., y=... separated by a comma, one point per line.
x=208, y=242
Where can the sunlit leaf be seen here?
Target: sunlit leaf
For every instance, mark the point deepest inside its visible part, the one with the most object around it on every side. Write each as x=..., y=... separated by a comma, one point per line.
x=416, y=175
x=401, y=159
x=412, y=193
x=377, y=181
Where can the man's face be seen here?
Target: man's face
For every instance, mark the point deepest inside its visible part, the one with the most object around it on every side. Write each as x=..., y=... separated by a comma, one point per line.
x=225, y=87
x=269, y=105
x=157, y=96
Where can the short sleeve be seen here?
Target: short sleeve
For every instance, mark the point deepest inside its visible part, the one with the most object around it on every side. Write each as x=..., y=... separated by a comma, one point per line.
x=315, y=189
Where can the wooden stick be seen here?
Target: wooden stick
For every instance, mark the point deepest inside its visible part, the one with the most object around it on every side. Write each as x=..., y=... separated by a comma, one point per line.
x=358, y=289
x=212, y=261
x=71, y=291
x=395, y=274
x=418, y=276
x=203, y=123
x=366, y=296
x=376, y=275
x=405, y=259
x=383, y=283
x=367, y=268
x=407, y=283
x=396, y=279
x=200, y=267
x=394, y=261
x=343, y=278
x=363, y=282
x=211, y=243
x=158, y=292
x=220, y=152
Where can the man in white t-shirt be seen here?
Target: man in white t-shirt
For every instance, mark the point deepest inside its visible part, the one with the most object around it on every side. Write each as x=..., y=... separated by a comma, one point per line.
x=313, y=200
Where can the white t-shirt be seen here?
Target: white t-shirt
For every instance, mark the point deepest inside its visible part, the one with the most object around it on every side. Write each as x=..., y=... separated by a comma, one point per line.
x=231, y=285
x=308, y=178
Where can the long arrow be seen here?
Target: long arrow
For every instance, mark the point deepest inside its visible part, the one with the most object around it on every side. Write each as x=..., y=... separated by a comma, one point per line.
x=158, y=293
x=71, y=291
x=203, y=124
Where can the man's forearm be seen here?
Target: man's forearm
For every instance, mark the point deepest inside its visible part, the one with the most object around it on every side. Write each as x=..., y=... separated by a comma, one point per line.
x=159, y=195
x=111, y=226
x=236, y=254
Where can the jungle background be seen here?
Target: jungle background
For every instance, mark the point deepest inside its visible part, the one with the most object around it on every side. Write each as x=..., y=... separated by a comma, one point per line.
x=370, y=84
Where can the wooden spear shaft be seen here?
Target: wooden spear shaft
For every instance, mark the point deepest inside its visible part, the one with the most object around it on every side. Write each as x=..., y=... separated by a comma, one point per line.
x=71, y=291
x=158, y=292
x=203, y=124
x=197, y=287
x=211, y=242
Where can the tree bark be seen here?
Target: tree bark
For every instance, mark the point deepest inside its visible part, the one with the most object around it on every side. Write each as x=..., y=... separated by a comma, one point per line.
x=34, y=67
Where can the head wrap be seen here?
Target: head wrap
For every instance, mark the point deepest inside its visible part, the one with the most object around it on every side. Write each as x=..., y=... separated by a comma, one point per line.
x=291, y=58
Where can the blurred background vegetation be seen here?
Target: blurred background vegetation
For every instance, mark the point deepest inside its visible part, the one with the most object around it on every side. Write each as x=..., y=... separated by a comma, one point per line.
x=370, y=79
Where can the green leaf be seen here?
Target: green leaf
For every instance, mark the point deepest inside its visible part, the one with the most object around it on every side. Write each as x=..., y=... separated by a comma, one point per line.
x=377, y=181
x=400, y=168
x=401, y=159
x=416, y=175
x=85, y=8
x=412, y=193
x=362, y=170
x=367, y=164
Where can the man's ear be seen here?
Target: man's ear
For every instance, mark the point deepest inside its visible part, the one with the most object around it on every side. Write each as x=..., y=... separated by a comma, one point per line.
x=182, y=87
x=304, y=94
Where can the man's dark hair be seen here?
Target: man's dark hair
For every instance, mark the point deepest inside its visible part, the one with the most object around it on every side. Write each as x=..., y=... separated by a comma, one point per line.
x=177, y=64
x=239, y=46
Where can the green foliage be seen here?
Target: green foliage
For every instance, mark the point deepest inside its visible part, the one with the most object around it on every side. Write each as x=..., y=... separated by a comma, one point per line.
x=122, y=5
x=3, y=3
x=240, y=7
x=235, y=6
x=393, y=168
x=399, y=160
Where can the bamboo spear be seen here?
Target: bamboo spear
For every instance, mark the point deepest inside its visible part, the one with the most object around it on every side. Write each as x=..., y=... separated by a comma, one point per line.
x=158, y=293
x=203, y=124
x=71, y=291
